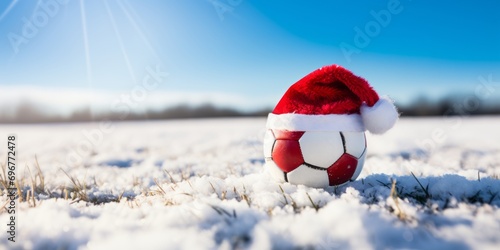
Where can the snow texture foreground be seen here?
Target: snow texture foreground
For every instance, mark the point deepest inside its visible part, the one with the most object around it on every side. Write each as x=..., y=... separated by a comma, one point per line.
x=200, y=184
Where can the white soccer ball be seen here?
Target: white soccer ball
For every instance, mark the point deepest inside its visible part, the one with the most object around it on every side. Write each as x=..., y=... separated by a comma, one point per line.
x=315, y=159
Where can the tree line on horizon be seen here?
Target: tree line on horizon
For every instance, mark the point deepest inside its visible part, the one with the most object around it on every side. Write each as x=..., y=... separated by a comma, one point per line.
x=421, y=107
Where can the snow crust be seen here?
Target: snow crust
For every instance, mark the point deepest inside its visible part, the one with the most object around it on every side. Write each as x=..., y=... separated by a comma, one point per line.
x=213, y=191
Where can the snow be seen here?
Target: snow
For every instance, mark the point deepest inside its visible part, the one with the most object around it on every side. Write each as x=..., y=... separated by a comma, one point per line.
x=214, y=194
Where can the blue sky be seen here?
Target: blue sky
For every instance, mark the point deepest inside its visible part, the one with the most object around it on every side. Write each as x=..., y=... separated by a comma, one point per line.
x=237, y=52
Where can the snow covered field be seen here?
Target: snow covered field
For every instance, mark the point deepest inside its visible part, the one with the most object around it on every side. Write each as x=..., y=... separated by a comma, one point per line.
x=200, y=184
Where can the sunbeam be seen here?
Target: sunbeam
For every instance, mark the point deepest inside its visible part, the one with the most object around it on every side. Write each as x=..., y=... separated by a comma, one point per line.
x=138, y=29
x=87, y=53
x=120, y=42
x=86, y=44
x=11, y=5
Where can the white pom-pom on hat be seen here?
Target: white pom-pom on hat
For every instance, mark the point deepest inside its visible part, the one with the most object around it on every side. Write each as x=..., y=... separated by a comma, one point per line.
x=380, y=117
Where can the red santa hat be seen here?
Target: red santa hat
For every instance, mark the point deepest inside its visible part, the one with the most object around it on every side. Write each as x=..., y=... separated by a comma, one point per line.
x=332, y=98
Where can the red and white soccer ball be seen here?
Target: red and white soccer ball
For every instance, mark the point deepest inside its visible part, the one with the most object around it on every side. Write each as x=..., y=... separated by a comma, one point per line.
x=314, y=159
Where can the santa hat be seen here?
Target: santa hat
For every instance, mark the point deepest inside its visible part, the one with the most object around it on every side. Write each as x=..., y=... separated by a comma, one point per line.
x=332, y=98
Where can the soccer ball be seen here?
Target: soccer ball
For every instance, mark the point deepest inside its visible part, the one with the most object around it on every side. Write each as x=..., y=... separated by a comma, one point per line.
x=314, y=158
